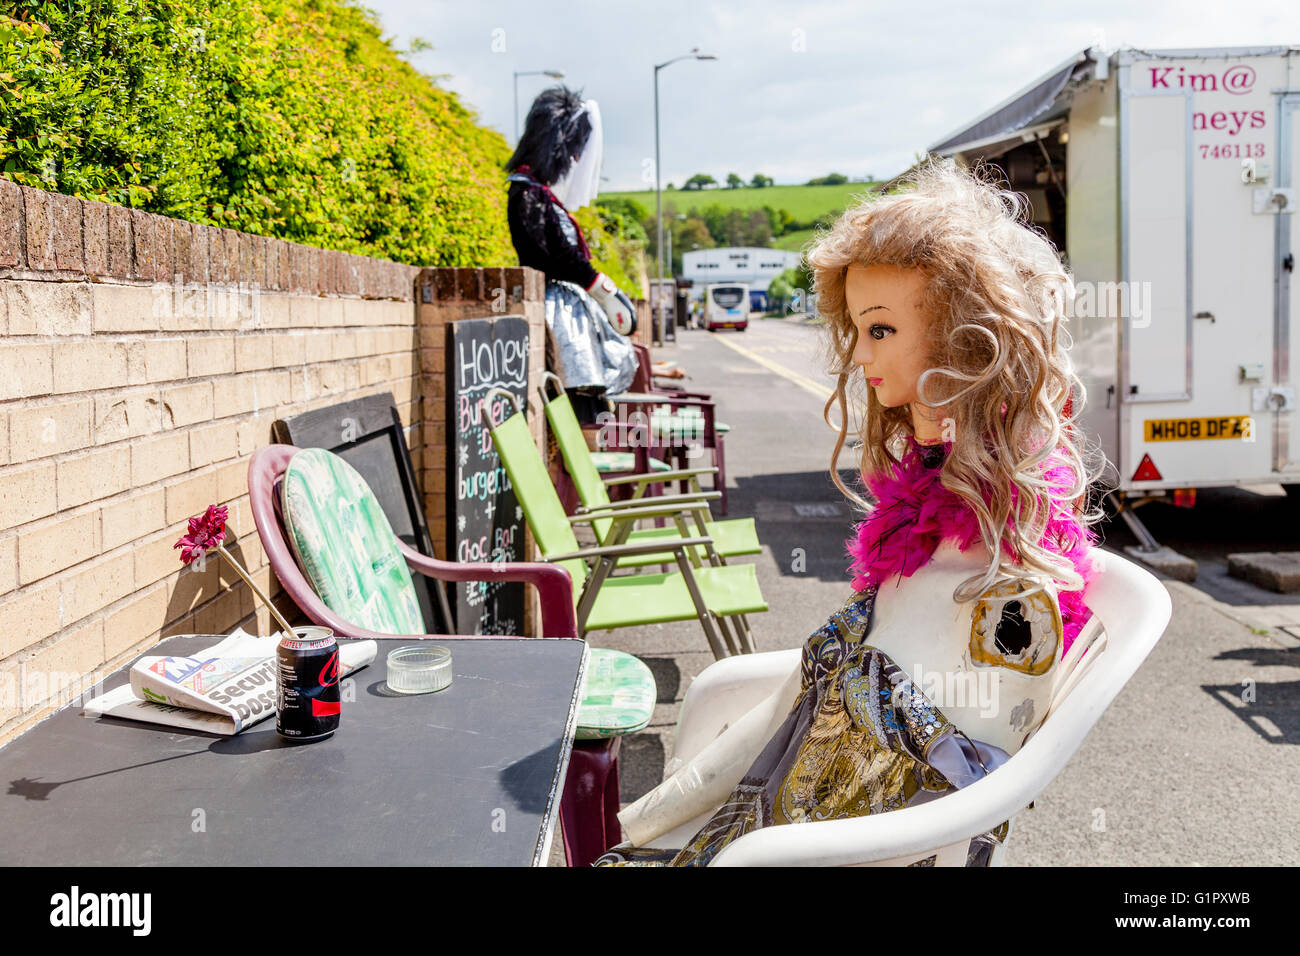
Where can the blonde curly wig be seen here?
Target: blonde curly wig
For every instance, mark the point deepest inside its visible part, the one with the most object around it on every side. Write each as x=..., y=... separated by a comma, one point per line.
x=1000, y=368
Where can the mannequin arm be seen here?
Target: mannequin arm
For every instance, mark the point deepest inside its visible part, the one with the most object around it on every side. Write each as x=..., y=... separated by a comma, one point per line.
x=705, y=781
x=617, y=306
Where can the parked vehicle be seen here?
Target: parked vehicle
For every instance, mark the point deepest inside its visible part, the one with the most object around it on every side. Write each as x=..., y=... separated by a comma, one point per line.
x=1168, y=179
x=726, y=306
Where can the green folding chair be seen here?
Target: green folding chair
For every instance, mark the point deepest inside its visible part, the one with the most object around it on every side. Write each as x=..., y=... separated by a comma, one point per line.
x=731, y=537
x=711, y=593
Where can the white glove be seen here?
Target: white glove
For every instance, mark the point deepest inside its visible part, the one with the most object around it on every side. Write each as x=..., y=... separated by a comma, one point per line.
x=617, y=306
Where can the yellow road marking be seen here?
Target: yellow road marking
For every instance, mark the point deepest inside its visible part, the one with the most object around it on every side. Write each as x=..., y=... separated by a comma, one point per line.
x=807, y=384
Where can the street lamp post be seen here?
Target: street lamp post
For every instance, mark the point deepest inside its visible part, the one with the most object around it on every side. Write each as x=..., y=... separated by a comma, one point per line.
x=659, y=209
x=553, y=74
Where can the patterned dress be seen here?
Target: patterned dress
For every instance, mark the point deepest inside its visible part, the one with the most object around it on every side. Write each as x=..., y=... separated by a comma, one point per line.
x=860, y=738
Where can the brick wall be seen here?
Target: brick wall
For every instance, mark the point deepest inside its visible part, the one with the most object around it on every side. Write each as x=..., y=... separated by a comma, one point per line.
x=142, y=361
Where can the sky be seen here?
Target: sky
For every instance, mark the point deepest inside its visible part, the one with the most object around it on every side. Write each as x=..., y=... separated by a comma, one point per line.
x=799, y=89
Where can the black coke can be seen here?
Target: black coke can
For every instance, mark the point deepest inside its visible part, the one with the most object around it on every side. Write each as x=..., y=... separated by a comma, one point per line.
x=307, y=684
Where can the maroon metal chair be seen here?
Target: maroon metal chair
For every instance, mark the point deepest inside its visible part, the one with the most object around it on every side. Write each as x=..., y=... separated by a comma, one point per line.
x=644, y=389
x=590, y=802
x=644, y=380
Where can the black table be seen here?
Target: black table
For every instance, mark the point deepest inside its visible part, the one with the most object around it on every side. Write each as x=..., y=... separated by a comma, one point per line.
x=470, y=775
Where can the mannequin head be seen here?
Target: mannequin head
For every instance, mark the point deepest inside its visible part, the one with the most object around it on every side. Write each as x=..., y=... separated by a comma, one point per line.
x=555, y=134
x=895, y=342
x=977, y=354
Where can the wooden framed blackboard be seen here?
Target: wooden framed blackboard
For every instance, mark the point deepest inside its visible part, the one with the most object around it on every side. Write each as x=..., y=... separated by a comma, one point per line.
x=484, y=520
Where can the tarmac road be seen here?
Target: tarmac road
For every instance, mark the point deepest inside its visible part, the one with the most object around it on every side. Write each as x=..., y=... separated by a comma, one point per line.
x=1178, y=771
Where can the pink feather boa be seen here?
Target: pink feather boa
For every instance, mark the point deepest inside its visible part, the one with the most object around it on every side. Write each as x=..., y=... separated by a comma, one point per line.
x=915, y=512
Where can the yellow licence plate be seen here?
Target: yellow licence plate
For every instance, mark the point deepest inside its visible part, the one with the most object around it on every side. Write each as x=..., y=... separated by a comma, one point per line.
x=1197, y=429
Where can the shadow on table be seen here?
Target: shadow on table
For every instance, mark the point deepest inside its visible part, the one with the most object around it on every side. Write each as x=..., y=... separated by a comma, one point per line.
x=521, y=779
x=36, y=789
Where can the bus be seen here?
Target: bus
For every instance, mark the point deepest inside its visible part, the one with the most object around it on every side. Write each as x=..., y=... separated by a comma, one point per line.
x=726, y=306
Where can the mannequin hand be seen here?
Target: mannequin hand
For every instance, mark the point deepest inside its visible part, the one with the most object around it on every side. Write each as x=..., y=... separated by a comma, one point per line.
x=617, y=306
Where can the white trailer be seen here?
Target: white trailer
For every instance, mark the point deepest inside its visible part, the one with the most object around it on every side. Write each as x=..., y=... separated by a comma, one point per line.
x=1168, y=179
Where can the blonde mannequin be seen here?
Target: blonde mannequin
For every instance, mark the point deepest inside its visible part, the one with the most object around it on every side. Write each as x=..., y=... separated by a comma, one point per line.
x=894, y=345
x=972, y=557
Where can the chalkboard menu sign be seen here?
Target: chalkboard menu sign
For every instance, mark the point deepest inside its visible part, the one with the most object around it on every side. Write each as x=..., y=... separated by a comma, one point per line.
x=484, y=520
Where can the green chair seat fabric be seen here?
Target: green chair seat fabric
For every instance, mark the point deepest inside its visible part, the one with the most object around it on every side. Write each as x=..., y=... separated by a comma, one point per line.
x=730, y=537
x=345, y=545
x=618, y=601
x=607, y=462
x=619, y=698
x=682, y=424
x=658, y=598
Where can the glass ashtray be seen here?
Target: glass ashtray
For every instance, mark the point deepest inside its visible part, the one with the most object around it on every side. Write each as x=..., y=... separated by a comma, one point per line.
x=419, y=669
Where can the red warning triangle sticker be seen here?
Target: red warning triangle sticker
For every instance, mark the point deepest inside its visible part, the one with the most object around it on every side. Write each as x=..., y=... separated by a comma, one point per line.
x=1146, y=470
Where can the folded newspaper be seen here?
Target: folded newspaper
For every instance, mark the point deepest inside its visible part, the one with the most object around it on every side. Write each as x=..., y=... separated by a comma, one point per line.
x=222, y=689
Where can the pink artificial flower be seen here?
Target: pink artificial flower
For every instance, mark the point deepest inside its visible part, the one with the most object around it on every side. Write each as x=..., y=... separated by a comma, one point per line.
x=914, y=512
x=206, y=531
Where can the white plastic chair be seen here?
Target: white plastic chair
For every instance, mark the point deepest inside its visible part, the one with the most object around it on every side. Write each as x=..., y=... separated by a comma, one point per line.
x=1131, y=610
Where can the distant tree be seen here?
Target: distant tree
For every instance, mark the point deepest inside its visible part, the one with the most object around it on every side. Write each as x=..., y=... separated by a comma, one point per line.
x=688, y=234
x=624, y=218
x=714, y=218
x=625, y=206
x=798, y=277
x=779, y=292
x=692, y=231
x=780, y=219
x=782, y=287
x=734, y=181
x=758, y=228
x=834, y=179
x=735, y=227
x=760, y=181
x=699, y=181
x=728, y=227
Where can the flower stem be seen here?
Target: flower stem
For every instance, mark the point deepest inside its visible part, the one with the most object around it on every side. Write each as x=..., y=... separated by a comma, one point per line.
x=287, y=628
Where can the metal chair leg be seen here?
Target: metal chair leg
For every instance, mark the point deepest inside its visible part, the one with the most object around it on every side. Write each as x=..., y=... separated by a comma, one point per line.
x=733, y=641
x=720, y=479
x=702, y=609
x=747, y=634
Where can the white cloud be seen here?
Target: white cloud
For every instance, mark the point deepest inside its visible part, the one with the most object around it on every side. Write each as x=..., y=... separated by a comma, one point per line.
x=799, y=89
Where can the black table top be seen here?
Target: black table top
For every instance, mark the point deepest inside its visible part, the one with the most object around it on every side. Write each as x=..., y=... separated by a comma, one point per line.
x=470, y=775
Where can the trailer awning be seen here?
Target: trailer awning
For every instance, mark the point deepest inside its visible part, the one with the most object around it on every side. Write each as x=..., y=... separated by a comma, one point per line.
x=1041, y=104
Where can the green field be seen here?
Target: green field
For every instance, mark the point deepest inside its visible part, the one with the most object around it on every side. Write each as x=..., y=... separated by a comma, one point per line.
x=794, y=241
x=804, y=203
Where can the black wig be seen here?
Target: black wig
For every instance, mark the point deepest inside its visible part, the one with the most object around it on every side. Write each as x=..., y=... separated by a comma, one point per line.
x=557, y=129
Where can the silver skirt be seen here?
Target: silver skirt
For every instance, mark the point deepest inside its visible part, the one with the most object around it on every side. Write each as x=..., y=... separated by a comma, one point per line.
x=589, y=350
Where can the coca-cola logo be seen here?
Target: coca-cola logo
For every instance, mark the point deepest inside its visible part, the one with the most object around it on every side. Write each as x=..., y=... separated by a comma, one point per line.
x=1236, y=79
x=329, y=674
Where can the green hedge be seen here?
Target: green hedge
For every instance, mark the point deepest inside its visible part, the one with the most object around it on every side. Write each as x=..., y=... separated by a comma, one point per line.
x=287, y=118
